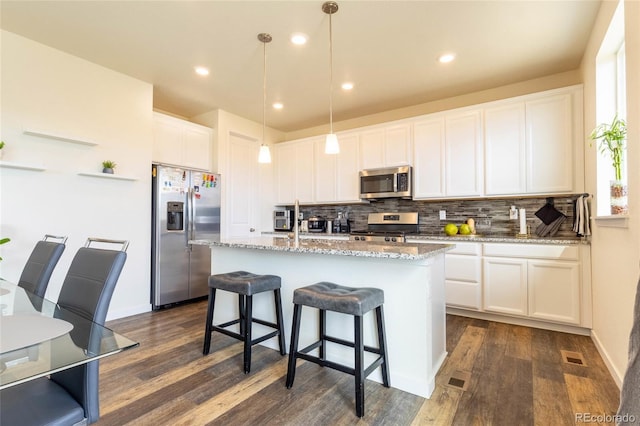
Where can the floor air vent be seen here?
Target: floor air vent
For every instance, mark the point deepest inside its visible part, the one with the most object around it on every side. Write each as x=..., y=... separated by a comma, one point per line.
x=574, y=358
x=459, y=380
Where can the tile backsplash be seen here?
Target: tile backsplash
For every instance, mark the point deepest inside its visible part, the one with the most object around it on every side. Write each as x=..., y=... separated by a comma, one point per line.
x=483, y=211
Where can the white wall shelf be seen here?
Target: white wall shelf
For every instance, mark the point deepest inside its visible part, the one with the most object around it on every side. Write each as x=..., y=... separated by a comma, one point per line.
x=107, y=176
x=11, y=165
x=60, y=137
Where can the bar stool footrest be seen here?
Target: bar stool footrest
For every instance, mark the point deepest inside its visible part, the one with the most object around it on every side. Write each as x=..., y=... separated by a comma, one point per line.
x=304, y=354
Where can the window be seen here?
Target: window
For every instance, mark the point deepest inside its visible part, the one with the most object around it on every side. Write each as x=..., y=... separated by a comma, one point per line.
x=610, y=102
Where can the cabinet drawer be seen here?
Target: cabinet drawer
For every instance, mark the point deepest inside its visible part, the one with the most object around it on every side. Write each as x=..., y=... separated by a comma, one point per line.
x=532, y=251
x=462, y=268
x=473, y=249
x=463, y=294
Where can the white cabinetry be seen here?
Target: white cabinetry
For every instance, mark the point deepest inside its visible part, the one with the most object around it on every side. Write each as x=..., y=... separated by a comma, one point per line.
x=306, y=173
x=385, y=146
x=181, y=143
x=532, y=144
x=463, y=154
x=448, y=155
x=428, y=157
x=295, y=171
x=538, y=281
x=347, y=169
x=463, y=276
x=504, y=149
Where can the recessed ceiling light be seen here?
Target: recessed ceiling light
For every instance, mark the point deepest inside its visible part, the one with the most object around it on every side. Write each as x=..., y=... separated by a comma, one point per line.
x=446, y=58
x=278, y=105
x=202, y=71
x=347, y=86
x=299, y=38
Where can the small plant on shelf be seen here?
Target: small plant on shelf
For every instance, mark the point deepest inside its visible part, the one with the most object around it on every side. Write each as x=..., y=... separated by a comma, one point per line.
x=1, y=146
x=108, y=166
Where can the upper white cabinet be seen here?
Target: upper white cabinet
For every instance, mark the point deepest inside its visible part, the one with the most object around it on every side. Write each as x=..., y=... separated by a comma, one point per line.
x=181, y=143
x=347, y=169
x=504, y=149
x=550, y=143
x=304, y=172
x=528, y=145
x=533, y=144
x=448, y=155
x=295, y=171
x=463, y=154
x=428, y=158
x=385, y=146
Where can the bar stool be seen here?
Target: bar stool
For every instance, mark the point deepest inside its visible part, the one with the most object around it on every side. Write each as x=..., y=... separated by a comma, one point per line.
x=326, y=296
x=246, y=285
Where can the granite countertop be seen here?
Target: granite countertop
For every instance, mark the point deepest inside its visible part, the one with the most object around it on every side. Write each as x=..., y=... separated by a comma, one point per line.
x=405, y=251
x=490, y=238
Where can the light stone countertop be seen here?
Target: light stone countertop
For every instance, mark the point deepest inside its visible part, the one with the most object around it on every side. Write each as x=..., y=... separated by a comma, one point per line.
x=405, y=251
x=533, y=239
x=491, y=238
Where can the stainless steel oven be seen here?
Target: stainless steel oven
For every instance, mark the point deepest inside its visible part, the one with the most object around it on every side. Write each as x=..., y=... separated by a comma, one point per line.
x=392, y=182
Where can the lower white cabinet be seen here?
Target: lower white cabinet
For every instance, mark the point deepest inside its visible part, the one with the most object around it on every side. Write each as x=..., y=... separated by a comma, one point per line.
x=537, y=281
x=463, y=275
x=542, y=282
x=505, y=285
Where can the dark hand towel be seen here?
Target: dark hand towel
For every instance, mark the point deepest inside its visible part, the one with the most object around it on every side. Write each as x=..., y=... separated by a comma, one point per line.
x=548, y=214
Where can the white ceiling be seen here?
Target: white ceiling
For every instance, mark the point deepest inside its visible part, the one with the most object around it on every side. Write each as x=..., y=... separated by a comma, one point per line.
x=388, y=49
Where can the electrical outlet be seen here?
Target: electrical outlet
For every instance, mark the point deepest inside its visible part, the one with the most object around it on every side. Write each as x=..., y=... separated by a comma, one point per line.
x=443, y=215
x=513, y=213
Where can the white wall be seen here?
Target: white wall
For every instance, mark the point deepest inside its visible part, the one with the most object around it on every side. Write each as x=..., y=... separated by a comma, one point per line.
x=615, y=252
x=46, y=89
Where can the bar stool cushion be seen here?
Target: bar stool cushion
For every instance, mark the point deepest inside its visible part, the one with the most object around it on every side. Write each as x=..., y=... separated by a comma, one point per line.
x=333, y=297
x=245, y=283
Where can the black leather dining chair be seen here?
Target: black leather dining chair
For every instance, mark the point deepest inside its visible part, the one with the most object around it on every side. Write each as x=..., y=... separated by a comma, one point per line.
x=71, y=396
x=40, y=265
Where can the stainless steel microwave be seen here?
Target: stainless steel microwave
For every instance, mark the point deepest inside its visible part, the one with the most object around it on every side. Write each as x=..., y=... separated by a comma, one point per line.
x=391, y=182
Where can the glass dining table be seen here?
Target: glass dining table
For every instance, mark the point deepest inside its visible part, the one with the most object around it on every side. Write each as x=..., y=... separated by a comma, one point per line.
x=39, y=337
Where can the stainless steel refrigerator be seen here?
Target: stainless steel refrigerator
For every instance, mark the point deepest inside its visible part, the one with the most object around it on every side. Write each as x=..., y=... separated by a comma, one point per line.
x=186, y=206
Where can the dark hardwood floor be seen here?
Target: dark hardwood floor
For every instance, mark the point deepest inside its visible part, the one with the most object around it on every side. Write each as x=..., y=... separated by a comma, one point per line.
x=495, y=374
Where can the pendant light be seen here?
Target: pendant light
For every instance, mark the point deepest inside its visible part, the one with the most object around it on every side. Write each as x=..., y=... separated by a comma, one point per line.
x=264, y=156
x=331, y=145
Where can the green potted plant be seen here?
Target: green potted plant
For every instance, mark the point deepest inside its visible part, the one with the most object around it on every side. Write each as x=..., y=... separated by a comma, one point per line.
x=612, y=138
x=108, y=166
x=1, y=146
x=3, y=241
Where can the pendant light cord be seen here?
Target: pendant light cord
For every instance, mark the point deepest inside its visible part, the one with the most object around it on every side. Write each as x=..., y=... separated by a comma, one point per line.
x=264, y=88
x=330, y=75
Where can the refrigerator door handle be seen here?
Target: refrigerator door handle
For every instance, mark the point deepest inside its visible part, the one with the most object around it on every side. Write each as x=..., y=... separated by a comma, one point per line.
x=192, y=208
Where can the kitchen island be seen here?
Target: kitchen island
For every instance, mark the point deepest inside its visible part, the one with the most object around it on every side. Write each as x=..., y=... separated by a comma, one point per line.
x=411, y=275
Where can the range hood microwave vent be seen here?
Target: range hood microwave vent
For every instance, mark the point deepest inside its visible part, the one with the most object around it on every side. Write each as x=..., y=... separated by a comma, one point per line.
x=389, y=182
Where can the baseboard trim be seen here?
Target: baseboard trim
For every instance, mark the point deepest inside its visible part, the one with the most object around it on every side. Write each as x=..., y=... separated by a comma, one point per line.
x=520, y=321
x=122, y=313
x=617, y=375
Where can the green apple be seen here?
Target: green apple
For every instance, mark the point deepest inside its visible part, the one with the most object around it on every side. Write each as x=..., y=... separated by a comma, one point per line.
x=450, y=229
